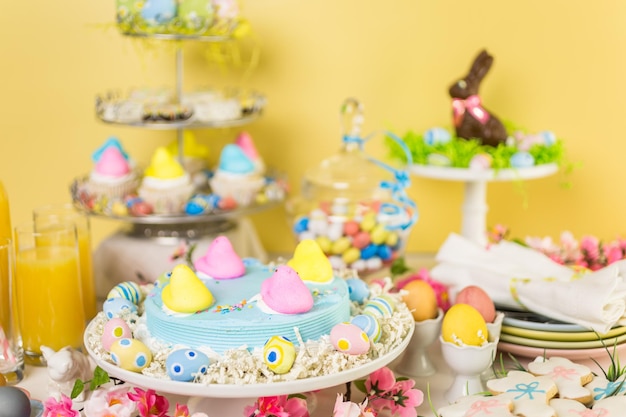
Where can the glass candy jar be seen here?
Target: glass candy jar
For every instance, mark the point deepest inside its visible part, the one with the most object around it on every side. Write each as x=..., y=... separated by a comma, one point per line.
x=354, y=206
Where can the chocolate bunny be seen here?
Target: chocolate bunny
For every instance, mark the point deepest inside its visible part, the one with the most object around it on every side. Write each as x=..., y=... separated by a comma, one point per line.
x=471, y=120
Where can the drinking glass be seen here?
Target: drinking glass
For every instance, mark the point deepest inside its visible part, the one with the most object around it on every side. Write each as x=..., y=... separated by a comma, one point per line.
x=53, y=215
x=11, y=354
x=48, y=289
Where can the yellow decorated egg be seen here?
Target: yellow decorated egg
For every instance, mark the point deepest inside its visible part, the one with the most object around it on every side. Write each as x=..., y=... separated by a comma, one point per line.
x=349, y=338
x=421, y=300
x=463, y=325
x=279, y=354
x=130, y=354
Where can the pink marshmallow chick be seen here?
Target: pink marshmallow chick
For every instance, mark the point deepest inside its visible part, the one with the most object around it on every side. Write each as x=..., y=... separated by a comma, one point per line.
x=220, y=261
x=112, y=163
x=244, y=141
x=284, y=292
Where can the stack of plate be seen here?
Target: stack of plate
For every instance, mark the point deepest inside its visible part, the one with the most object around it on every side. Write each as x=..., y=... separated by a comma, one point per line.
x=530, y=335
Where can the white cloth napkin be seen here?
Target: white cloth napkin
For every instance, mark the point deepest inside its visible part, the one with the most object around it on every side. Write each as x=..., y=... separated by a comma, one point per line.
x=522, y=278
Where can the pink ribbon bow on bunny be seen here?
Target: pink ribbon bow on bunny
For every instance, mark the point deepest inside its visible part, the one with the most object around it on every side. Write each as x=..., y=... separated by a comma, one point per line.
x=473, y=106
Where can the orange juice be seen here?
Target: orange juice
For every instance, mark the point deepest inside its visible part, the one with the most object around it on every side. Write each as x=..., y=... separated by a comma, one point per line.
x=49, y=298
x=5, y=231
x=86, y=274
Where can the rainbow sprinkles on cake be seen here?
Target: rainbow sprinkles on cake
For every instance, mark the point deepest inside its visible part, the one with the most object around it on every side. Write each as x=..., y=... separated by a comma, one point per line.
x=223, y=319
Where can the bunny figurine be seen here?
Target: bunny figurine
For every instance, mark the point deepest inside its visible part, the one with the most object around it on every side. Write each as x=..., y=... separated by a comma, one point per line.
x=471, y=119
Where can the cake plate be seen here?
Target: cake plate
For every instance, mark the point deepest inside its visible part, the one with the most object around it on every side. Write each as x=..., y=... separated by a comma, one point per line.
x=475, y=207
x=249, y=390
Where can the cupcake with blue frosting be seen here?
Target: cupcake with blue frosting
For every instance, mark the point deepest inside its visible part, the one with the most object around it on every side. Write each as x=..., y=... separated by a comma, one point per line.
x=236, y=176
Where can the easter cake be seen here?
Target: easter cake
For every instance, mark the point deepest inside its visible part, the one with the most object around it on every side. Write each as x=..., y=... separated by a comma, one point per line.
x=235, y=315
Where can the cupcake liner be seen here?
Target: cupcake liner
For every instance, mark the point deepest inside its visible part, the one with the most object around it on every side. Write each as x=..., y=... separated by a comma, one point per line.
x=167, y=201
x=112, y=191
x=243, y=190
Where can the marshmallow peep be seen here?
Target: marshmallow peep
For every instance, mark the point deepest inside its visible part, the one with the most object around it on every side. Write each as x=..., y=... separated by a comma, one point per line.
x=186, y=293
x=245, y=142
x=220, y=261
x=164, y=166
x=111, y=142
x=310, y=262
x=112, y=163
x=284, y=292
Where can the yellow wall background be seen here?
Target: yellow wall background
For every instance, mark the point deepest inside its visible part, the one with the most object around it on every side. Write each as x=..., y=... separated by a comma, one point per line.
x=559, y=65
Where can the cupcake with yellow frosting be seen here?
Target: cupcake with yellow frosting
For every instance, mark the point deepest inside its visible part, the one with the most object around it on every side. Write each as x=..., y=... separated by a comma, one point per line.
x=165, y=185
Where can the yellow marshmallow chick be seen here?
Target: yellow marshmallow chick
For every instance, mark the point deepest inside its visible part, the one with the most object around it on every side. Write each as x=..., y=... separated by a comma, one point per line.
x=186, y=293
x=163, y=165
x=191, y=147
x=310, y=262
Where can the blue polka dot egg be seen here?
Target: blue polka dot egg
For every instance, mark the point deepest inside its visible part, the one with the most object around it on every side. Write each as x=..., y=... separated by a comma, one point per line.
x=129, y=290
x=358, y=289
x=279, y=354
x=185, y=364
x=130, y=354
x=114, y=307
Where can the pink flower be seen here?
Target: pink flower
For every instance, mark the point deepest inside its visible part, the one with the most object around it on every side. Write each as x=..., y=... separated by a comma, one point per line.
x=181, y=411
x=61, y=408
x=406, y=399
x=149, y=403
x=278, y=406
x=110, y=403
x=379, y=382
x=613, y=252
x=350, y=409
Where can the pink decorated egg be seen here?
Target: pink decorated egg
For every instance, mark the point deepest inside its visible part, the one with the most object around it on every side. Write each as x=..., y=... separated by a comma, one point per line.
x=114, y=330
x=349, y=338
x=479, y=299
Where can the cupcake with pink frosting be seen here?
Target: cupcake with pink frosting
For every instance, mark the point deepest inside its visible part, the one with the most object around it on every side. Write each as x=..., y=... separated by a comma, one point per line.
x=112, y=176
x=166, y=186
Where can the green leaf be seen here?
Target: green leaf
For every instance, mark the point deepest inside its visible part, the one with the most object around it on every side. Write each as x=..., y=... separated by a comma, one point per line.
x=360, y=384
x=78, y=387
x=298, y=395
x=399, y=267
x=100, y=377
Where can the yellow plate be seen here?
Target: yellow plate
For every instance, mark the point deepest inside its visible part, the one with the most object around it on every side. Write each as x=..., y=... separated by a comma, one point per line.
x=550, y=344
x=562, y=336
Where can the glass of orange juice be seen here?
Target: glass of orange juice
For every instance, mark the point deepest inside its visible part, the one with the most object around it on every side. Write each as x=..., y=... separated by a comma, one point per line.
x=11, y=354
x=48, y=290
x=53, y=215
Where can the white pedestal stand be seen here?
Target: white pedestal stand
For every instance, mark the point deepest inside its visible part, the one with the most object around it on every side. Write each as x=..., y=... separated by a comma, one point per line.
x=475, y=207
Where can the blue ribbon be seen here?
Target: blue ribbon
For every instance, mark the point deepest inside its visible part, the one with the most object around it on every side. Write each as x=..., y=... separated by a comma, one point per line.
x=402, y=181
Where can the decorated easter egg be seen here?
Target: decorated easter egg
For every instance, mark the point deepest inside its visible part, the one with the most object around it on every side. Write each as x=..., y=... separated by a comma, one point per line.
x=369, y=324
x=185, y=364
x=479, y=299
x=279, y=354
x=481, y=161
x=129, y=290
x=522, y=160
x=437, y=135
x=114, y=330
x=114, y=307
x=549, y=138
x=195, y=10
x=381, y=306
x=358, y=290
x=158, y=12
x=14, y=402
x=421, y=299
x=438, y=160
x=464, y=326
x=130, y=354
x=349, y=338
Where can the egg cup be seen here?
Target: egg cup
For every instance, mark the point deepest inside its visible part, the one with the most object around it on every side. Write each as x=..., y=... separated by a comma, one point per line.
x=416, y=361
x=494, y=334
x=467, y=363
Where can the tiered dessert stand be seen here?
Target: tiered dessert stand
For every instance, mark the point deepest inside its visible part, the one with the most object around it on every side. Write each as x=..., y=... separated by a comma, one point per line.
x=143, y=250
x=474, y=209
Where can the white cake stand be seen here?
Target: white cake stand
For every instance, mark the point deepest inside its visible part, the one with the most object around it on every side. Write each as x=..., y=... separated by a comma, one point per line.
x=225, y=397
x=475, y=199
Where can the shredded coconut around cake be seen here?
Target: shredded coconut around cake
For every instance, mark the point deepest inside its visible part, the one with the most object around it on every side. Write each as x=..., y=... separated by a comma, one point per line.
x=241, y=366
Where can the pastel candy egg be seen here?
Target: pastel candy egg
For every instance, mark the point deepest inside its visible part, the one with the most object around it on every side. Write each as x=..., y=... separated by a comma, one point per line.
x=349, y=338
x=325, y=243
x=336, y=262
x=185, y=364
x=114, y=307
x=392, y=239
x=130, y=354
x=318, y=226
x=361, y=240
x=301, y=225
x=351, y=227
x=115, y=329
x=381, y=306
x=384, y=252
x=368, y=251
x=464, y=326
x=379, y=234
x=368, y=222
x=119, y=209
x=340, y=245
x=437, y=135
x=369, y=324
x=358, y=290
x=339, y=209
x=129, y=290
x=522, y=160
x=308, y=235
x=351, y=255
x=279, y=354
x=359, y=265
x=374, y=263
x=335, y=231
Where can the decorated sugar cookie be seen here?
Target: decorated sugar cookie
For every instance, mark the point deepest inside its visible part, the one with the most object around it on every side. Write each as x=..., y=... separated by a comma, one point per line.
x=530, y=394
x=479, y=406
x=568, y=376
